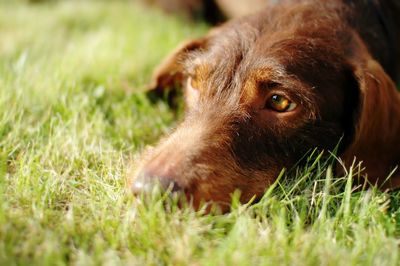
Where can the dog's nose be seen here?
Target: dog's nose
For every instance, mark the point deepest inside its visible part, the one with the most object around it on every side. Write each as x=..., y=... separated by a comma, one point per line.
x=146, y=182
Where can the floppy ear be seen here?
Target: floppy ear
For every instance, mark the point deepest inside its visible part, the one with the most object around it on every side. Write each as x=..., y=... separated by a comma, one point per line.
x=377, y=134
x=168, y=77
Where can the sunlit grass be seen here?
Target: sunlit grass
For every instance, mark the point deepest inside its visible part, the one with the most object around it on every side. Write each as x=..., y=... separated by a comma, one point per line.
x=71, y=121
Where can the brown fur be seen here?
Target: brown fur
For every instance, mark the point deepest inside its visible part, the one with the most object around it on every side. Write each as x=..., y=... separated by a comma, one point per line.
x=323, y=55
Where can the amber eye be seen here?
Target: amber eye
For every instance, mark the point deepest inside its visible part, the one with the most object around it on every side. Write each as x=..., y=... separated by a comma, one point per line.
x=280, y=103
x=193, y=82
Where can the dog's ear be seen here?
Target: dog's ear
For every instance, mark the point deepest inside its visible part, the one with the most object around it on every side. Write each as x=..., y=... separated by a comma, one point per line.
x=377, y=129
x=168, y=77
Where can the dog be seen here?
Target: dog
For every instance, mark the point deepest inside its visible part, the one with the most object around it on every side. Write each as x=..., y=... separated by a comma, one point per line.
x=262, y=90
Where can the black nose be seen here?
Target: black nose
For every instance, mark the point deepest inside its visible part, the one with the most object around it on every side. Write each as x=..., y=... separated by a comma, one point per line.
x=146, y=182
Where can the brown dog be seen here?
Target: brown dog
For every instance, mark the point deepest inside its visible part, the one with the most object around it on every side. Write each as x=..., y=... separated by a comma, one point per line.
x=264, y=89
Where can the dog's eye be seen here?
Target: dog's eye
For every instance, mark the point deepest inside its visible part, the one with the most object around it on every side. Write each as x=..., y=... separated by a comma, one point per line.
x=193, y=83
x=280, y=104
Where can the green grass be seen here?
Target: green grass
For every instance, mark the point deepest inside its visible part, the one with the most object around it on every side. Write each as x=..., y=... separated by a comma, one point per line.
x=71, y=122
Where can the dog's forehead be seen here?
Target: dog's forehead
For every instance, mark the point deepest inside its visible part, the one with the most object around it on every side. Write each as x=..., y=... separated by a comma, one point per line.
x=245, y=46
x=233, y=55
x=228, y=48
x=294, y=59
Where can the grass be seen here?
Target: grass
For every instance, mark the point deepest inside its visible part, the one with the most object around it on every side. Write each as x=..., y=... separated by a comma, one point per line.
x=72, y=120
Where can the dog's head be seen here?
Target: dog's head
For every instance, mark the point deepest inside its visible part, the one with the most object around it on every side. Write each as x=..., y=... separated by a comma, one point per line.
x=260, y=92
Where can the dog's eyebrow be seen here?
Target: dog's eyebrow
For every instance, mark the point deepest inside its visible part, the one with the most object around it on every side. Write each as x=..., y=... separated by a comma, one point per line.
x=193, y=60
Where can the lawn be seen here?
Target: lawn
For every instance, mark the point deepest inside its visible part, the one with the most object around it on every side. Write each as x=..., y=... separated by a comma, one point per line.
x=72, y=119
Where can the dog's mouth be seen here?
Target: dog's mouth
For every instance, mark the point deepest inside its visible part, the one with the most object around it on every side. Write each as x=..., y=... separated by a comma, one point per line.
x=197, y=194
x=209, y=193
x=172, y=194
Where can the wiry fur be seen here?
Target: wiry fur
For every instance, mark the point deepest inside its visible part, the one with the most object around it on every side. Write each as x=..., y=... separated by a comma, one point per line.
x=318, y=54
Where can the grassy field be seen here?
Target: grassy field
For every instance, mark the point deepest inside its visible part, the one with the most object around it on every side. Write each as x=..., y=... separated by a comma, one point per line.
x=72, y=120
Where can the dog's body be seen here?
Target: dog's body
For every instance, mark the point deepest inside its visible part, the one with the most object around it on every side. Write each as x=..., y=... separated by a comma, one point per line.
x=264, y=89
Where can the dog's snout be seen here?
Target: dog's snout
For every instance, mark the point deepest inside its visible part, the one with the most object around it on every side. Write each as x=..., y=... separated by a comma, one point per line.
x=147, y=181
